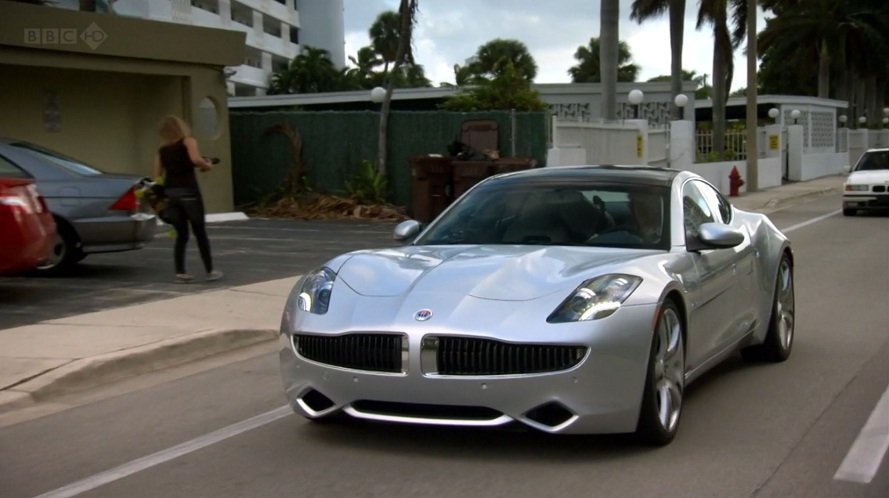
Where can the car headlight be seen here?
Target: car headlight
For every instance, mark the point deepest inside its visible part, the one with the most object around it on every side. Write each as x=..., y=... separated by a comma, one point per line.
x=314, y=291
x=596, y=298
x=855, y=188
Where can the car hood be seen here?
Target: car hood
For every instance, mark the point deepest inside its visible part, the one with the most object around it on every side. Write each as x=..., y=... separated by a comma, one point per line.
x=869, y=176
x=505, y=273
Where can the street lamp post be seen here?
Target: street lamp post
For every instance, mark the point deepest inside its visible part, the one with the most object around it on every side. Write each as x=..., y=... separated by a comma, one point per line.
x=794, y=115
x=681, y=101
x=774, y=113
x=635, y=97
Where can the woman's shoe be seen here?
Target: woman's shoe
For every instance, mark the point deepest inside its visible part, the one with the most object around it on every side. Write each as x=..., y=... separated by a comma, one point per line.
x=214, y=275
x=183, y=278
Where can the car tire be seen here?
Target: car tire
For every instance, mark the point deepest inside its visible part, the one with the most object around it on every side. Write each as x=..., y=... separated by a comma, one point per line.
x=779, y=339
x=65, y=252
x=665, y=380
x=849, y=212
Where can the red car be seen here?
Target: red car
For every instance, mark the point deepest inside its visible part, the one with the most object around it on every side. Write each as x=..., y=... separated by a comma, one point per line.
x=26, y=224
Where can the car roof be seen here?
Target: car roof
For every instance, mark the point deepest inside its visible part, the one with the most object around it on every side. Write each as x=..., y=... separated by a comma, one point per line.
x=608, y=173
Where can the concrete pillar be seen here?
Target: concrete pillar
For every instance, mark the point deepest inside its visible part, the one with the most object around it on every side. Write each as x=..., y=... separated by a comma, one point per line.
x=858, y=143
x=641, y=152
x=773, y=145
x=225, y=13
x=795, y=171
x=882, y=138
x=682, y=144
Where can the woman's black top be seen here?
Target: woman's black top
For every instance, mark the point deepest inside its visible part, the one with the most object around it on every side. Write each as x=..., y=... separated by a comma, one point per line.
x=178, y=168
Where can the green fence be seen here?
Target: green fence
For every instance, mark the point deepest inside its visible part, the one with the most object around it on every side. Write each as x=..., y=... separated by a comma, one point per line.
x=335, y=143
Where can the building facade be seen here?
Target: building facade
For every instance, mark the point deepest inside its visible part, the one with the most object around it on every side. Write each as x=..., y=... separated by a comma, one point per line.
x=275, y=30
x=95, y=86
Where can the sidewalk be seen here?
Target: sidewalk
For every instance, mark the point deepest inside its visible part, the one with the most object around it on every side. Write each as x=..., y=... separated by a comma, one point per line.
x=75, y=353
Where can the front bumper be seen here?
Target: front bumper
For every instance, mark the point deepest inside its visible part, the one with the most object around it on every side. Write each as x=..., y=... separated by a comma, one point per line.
x=866, y=201
x=602, y=393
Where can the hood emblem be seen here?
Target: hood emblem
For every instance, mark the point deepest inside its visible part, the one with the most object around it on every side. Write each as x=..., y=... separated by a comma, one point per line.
x=423, y=315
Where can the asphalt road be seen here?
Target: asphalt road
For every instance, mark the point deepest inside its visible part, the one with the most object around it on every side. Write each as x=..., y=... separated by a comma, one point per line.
x=764, y=430
x=248, y=251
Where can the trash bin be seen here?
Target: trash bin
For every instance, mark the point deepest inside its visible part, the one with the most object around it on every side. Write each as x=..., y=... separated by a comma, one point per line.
x=468, y=173
x=510, y=164
x=431, y=186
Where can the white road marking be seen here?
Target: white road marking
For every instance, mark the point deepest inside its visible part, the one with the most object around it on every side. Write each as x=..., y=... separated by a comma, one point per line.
x=812, y=221
x=863, y=460
x=168, y=454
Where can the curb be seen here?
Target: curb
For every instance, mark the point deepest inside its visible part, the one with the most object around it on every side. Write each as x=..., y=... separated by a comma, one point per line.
x=85, y=373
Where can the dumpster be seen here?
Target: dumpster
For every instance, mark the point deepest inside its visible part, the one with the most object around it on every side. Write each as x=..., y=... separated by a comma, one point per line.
x=431, y=186
x=468, y=173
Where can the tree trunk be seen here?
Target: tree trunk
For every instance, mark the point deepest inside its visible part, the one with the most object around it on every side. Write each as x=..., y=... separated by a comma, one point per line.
x=406, y=11
x=752, y=90
x=824, y=71
x=721, y=46
x=608, y=56
x=677, y=28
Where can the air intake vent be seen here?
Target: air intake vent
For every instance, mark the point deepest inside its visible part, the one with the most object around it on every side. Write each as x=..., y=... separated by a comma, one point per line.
x=372, y=352
x=472, y=356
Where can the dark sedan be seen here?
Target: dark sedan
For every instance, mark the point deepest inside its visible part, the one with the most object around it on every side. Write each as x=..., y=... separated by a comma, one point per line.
x=94, y=211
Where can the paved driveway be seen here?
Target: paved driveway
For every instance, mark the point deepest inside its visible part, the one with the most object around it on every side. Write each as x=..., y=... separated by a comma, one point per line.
x=247, y=251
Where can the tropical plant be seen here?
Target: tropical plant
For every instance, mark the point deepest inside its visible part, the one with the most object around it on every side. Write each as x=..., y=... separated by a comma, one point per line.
x=643, y=10
x=506, y=91
x=588, y=68
x=311, y=71
x=703, y=88
x=384, y=37
x=367, y=185
x=491, y=59
x=716, y=13
x=407, y=11
x=841, y=46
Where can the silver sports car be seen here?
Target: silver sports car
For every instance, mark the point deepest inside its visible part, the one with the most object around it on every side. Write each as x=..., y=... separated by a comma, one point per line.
x=570, y=299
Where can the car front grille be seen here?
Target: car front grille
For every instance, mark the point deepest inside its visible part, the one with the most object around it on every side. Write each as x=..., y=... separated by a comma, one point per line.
x=372, y=352
x=439, y=356
x=879, y=188
x=474, y=356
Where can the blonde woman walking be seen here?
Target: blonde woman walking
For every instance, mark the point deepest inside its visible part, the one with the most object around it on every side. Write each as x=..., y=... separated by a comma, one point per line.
x=176, y=161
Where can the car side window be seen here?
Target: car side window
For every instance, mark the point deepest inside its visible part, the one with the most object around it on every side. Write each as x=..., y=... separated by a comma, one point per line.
x=9, y=170
x=696, y=209
x=720, y=207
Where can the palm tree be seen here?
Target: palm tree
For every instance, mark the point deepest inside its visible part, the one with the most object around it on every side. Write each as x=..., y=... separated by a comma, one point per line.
x=716, y=13
x=311, y=71
x=384, y=37
x=643, y=10
x=587, y=69
x=608, y=56
x=847, y=39
x=490, y=61
x=407, y=12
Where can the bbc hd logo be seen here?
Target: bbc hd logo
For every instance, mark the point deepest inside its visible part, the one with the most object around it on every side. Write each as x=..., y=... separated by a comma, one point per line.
x=92, y=36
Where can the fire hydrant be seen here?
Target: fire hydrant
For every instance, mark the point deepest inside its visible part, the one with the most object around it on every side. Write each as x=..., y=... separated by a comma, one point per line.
x=735, y=182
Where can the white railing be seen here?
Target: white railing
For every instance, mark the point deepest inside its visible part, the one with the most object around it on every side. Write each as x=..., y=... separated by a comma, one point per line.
x=735, y=141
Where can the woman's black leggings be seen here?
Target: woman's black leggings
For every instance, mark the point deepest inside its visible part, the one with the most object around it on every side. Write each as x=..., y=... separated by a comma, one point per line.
x=186, y=207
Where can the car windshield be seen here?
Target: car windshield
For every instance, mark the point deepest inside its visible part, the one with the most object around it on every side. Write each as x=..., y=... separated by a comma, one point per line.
x=630, y=216
x=873, y=161
x=72, y=165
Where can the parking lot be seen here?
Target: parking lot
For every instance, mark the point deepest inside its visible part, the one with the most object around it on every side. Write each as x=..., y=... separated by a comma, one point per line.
x=249, y=251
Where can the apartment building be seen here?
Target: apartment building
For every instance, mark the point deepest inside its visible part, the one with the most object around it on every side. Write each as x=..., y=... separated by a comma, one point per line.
x=275, y=30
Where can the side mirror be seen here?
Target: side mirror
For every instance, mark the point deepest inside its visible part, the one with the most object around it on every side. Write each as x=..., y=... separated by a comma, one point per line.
x=406, y=230
x=715, y=236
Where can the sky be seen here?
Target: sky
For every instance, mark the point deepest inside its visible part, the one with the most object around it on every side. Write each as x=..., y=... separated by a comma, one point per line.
x=450, y=31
